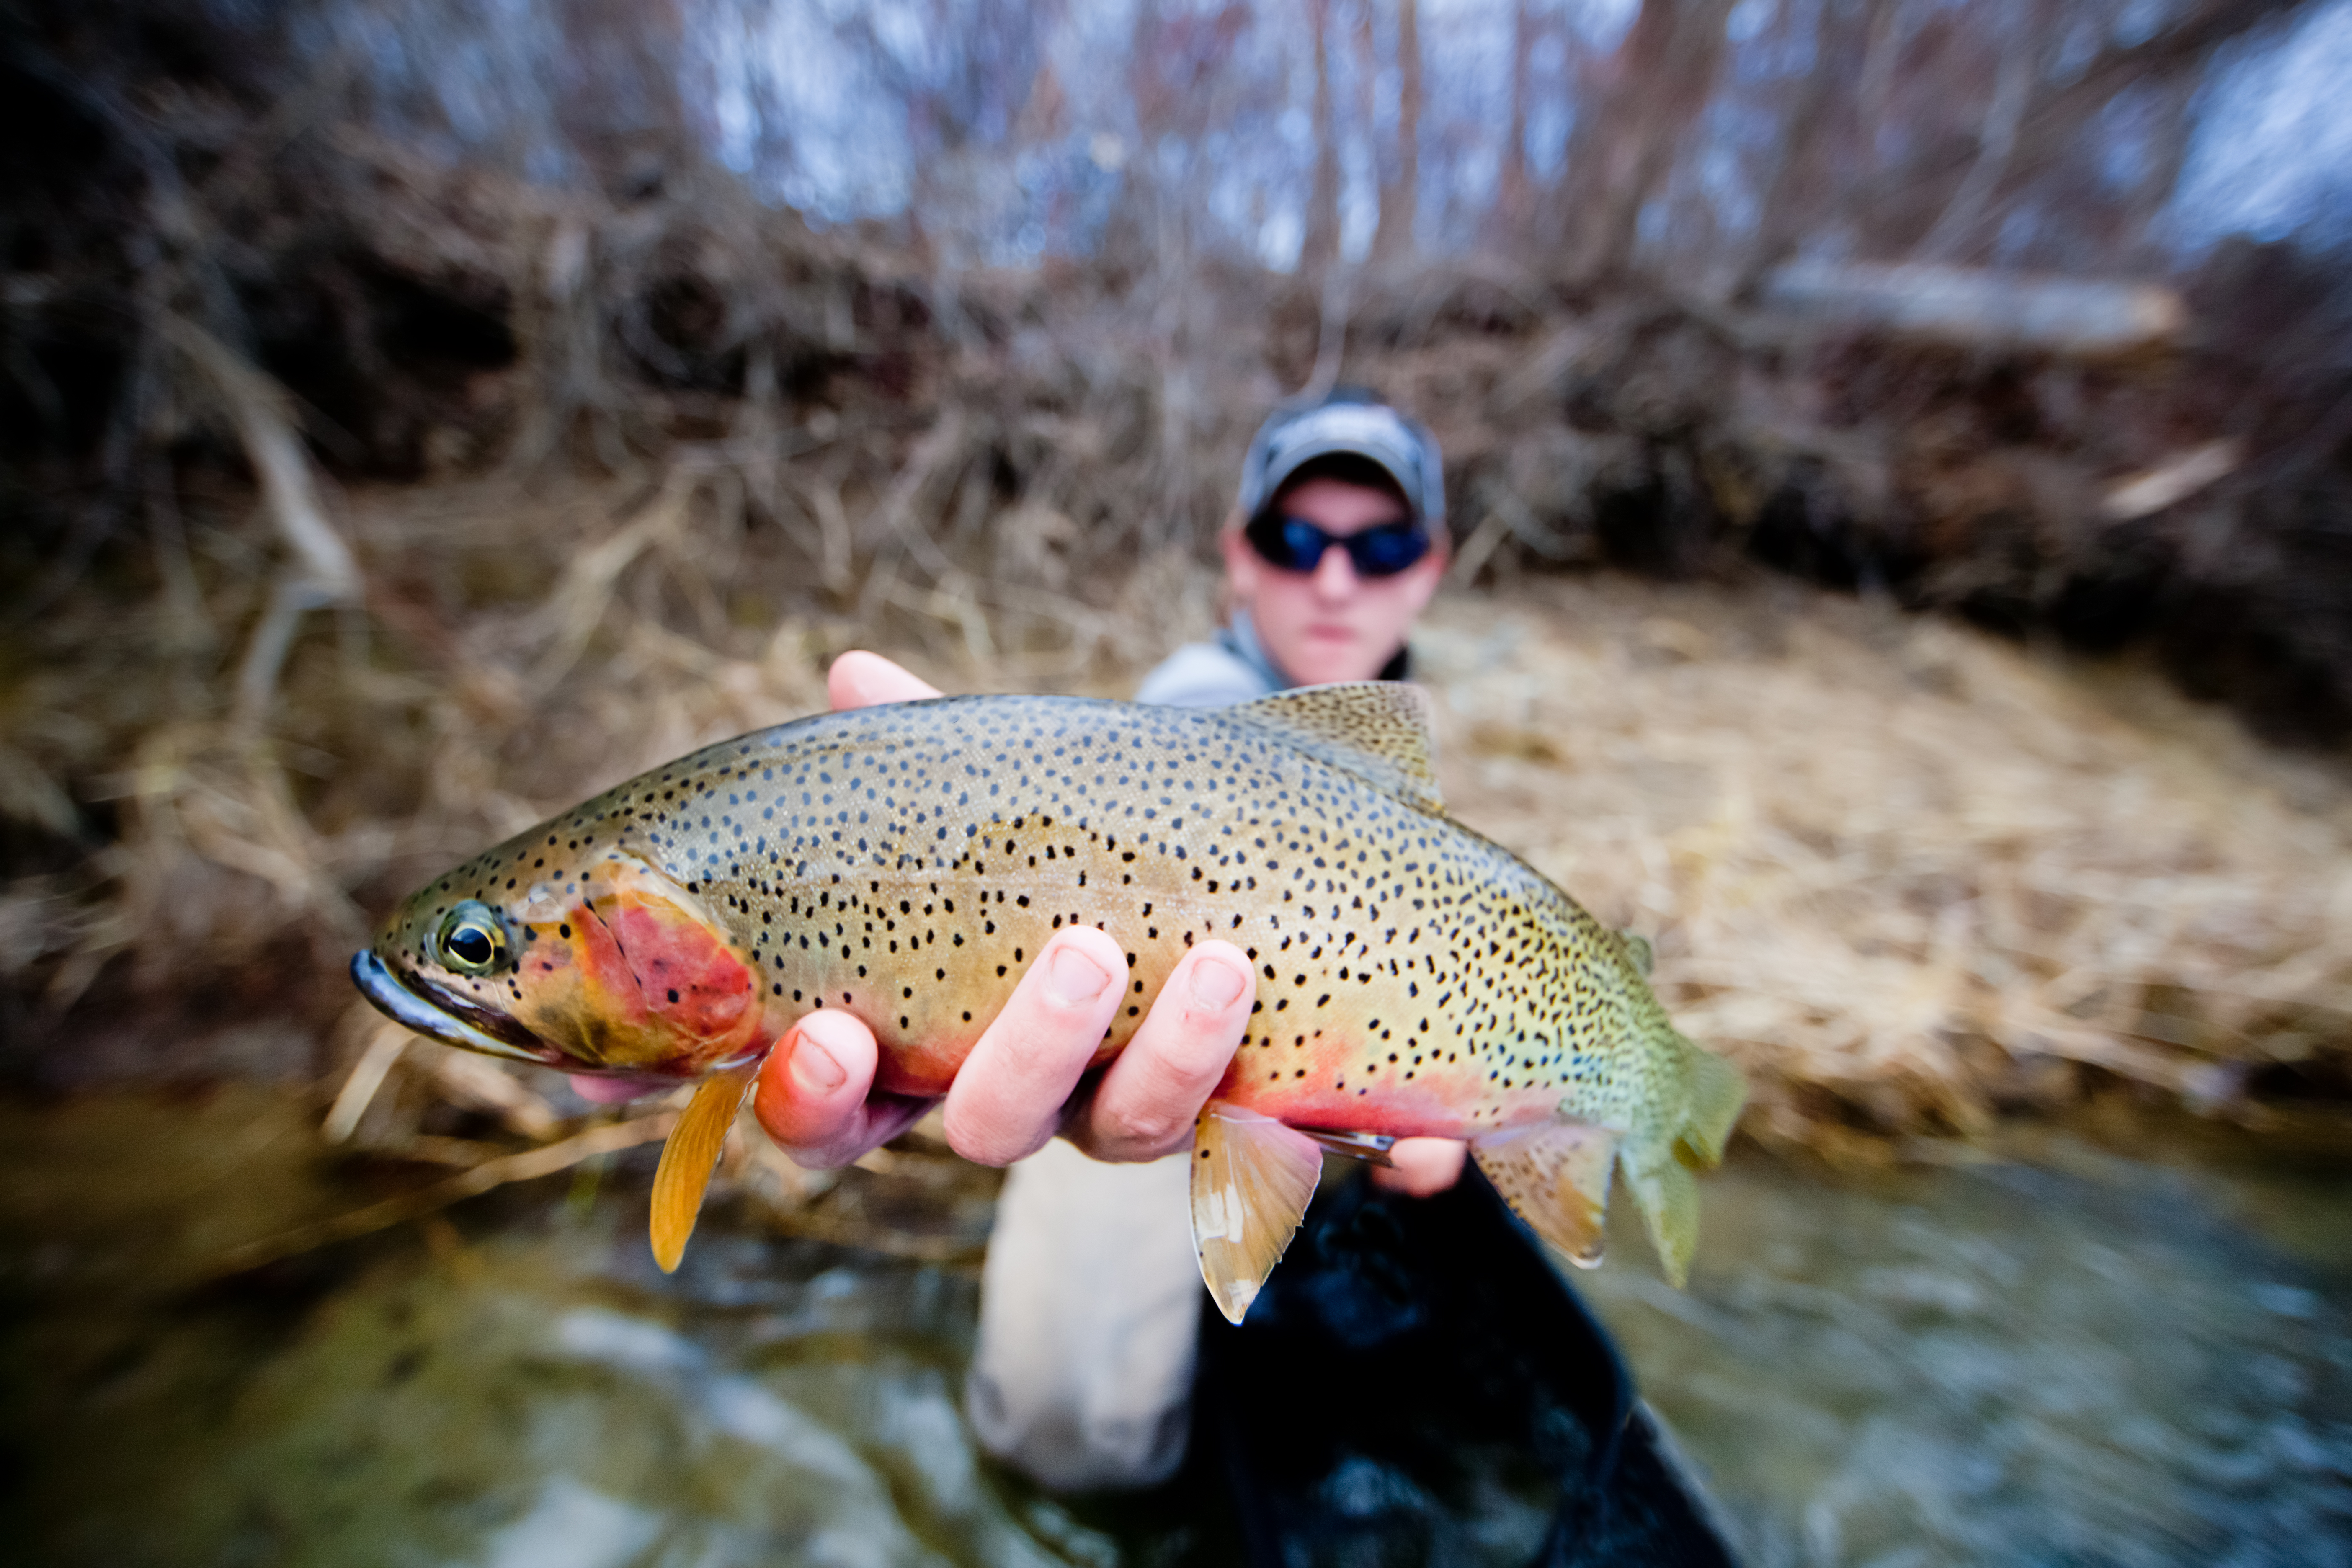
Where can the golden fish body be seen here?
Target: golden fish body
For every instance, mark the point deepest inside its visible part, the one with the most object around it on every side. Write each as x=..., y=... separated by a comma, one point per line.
x=906, y=862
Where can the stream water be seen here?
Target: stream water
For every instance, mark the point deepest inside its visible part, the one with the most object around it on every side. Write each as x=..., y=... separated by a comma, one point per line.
x=2063, y=1355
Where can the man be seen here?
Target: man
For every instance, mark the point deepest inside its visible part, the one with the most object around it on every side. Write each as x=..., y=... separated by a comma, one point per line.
x=1092, y=1294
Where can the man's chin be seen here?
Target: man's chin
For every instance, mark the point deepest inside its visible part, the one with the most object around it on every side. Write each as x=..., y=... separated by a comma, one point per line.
x=1321, y=663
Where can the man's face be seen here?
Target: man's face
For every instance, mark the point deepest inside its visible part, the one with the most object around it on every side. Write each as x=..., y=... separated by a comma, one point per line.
x=1330, y=624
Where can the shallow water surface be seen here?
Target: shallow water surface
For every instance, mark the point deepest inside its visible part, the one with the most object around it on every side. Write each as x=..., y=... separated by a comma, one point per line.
x=2072, y=1358
x=2065, y=1356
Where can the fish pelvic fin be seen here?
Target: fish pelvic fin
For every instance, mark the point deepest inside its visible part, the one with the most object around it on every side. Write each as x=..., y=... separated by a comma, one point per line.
x=688, y=1159
x=1555, y=1176
x=1252, y=1178
x=1376, y=730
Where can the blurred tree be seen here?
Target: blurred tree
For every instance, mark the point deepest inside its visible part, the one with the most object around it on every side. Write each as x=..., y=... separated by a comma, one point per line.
x=1644, y=97
x=1322, y=244
x=1401, y=192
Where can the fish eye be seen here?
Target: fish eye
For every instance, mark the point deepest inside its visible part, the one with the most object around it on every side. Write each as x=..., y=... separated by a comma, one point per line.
x=473, y=940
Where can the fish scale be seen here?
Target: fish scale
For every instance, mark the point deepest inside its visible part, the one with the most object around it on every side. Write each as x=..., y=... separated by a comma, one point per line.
x=906, y=862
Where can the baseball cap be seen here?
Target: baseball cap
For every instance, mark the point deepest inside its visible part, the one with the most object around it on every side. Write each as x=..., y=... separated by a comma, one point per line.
x=1348, y=420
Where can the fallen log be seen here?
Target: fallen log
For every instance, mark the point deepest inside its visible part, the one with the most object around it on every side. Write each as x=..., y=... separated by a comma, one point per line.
x=1975, y=308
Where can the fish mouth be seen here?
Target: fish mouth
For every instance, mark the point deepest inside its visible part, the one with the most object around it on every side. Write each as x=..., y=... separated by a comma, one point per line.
x=396, y=1001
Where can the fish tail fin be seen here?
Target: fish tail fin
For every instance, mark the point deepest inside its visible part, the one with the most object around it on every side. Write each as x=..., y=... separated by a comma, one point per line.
x=1717, y=1094
x=1659, y=1172
x=1667, y=1195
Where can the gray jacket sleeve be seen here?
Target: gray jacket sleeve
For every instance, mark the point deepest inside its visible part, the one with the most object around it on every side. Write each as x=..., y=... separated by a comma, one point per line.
x=1201, y=675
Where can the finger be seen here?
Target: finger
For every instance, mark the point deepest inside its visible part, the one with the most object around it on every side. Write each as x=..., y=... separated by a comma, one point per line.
x=1007, y=1098
x=1421, y=1167
x=1149, y=1099
x=810, y=1095
x=861, y=679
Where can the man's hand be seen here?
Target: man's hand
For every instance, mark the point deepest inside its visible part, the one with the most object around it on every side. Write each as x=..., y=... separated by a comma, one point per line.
x=1016, y=1090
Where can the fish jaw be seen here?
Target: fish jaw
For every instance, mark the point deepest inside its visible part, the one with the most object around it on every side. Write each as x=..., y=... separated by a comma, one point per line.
x=385, y=991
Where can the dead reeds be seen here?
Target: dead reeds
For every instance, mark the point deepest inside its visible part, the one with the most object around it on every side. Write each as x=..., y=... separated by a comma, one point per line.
x=1912, y=877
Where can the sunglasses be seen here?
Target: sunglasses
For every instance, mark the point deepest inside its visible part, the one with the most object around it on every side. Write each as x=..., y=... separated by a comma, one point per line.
x=1295, y=544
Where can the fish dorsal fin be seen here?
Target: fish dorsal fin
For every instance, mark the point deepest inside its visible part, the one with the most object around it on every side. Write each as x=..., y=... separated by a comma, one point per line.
x=1555, y=1176
x=688, y=1159
x=1251, y=1179
x=1376, y=730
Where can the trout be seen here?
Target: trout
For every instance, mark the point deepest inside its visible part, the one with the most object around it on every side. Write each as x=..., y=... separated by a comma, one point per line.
x=908, y=861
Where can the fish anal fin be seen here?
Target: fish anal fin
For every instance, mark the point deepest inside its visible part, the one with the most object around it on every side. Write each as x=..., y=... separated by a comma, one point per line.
x=688, y=1159
x=1252, y=1178
x=1378, y=731
x=1555, y=1176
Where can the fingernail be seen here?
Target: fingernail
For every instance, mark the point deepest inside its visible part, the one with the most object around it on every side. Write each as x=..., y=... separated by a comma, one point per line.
x=1217, y=985
x=815, y=1068
x=1075, y=978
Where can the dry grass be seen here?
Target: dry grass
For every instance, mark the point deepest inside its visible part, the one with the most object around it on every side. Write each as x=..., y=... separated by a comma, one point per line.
x=1909, y=876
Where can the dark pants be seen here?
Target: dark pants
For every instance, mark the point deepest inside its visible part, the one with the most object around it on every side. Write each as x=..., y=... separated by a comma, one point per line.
x=1416, y=1384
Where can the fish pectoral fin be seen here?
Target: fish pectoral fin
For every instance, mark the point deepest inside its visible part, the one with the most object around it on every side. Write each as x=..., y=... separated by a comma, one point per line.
x=1252, y=1178
x=1555, y=1176
x=688, y=1159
